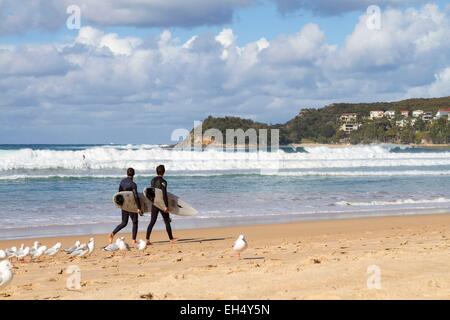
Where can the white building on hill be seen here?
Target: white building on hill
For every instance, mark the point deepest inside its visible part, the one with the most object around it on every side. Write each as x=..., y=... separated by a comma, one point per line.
x=377, y=114
x=390, y=114
x=427, y=116
x=443, y=113
x=349, y=127
x=348, y=117
x=417, y=113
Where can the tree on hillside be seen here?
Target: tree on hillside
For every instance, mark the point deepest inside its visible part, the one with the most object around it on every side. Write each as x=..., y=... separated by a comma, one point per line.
x=440, y=131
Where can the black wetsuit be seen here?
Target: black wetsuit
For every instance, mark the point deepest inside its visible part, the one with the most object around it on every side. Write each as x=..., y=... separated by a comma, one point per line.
x=160, y=183
x=128, y=184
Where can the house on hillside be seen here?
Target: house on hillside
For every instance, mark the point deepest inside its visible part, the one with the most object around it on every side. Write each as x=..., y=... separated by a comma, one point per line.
x=390, y=114
x=417, y=113
x=348, y=117
x=349, y=127
x=404, y=113
x=443, y=113
x=427, y=116
x=377, y=114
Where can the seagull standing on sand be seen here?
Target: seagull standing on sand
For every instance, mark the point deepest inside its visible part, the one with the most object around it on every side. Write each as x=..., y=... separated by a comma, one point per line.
x=141, y=245
x=53, y=250
x=6, y=274
x=111, y=247
x=240, y=245
x=73, y=248
x=21, y=254
x=123, y=245
x=34, y=248
x=11, y=252
x=38, y=252
x=115, y=246
x=81, y=252
x=91, y=245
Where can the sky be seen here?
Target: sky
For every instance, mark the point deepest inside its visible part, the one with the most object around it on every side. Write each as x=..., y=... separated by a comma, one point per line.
x=135, y=71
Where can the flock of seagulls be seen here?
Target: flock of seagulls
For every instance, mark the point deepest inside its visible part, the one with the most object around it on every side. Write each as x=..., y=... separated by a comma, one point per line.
x=37, y=250
x=78, y=249
x=81, y=249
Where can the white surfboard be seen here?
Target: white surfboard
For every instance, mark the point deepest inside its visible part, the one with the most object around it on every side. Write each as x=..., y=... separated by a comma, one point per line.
x=176, y=205
x=125, y=201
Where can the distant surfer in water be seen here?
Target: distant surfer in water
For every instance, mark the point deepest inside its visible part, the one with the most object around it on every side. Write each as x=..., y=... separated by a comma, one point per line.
x=128, y=184
x=160, y=183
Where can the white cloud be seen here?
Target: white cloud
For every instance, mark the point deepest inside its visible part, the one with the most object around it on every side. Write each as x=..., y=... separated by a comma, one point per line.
x=102, y=79
x=188, y=44
x=25, y=15
x=24, y=61
x=439, y=87
x=330, y=7
x=226, y=38
x=96, y=38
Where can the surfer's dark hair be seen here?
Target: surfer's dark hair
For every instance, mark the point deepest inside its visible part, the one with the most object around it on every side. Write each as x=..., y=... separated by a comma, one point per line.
x=130, y=172
x=160, y=170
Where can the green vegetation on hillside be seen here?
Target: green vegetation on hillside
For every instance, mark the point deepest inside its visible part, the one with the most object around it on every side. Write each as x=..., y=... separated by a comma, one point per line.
x=323, y=125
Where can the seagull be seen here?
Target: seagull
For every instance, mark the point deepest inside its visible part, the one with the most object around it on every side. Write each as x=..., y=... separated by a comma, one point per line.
x=73, y=248
x=3, y=254
x=21, y=254
x=6, y=274
x=111, y=247
x=91, y=245
x=53, y=250
x=11, y=252
x=141, y=245
x=240, y=245
x=20, y=250
x=79, y=253
x=123, y=245
x=35, y=246
x=38, y=252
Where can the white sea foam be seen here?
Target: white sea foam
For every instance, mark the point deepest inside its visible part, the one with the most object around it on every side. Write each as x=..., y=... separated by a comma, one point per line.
x=145, y=158
x=212, y=174
x=395, y=202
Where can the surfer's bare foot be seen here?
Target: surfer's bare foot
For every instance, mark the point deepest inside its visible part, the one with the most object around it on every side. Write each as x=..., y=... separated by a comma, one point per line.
x=134, y=242
x=149, y=243
x=174, y=240
x=111, y=238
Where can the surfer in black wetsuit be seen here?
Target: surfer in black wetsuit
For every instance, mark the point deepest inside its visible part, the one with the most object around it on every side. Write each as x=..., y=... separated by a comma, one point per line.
x=160, y=183
x=128, y=184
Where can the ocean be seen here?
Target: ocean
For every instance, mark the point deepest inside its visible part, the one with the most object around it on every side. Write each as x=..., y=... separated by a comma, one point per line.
x=51, y=190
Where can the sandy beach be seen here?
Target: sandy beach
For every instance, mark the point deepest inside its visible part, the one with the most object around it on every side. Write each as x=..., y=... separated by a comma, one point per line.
x=301, y=260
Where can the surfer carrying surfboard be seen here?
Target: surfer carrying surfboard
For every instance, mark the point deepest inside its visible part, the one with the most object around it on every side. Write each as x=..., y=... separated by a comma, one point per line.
x=160, y=183
x=127, y=184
